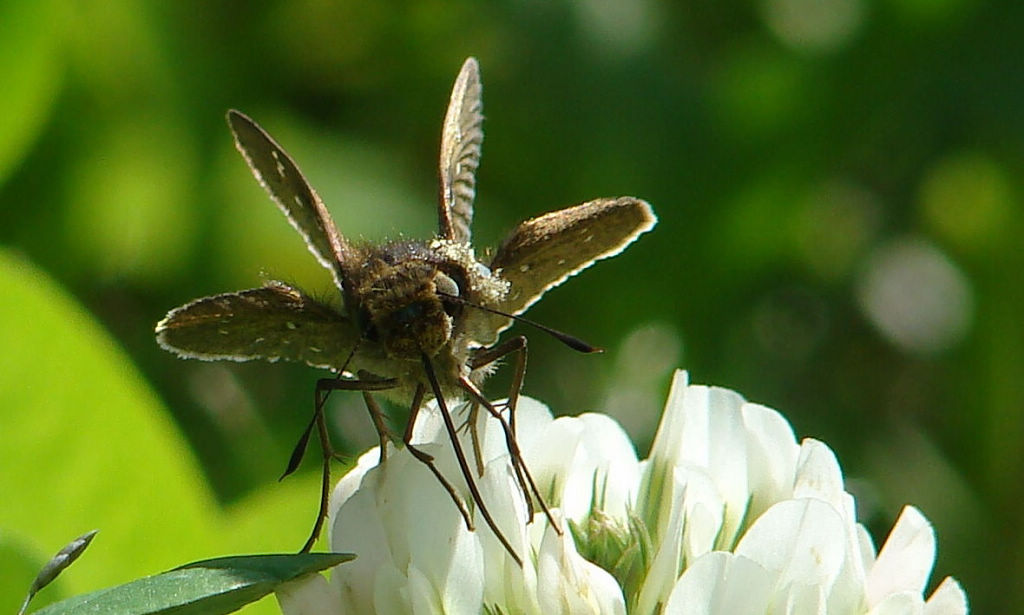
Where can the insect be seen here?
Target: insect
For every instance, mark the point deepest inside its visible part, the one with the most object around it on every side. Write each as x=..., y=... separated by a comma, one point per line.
x=420, y=319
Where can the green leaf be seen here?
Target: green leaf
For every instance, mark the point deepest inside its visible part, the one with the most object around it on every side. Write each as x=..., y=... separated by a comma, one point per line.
x=208, y=587
x=88, y=445
x=31, y=69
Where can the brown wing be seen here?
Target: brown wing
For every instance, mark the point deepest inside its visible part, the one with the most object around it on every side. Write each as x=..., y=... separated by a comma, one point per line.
x=270, y=323
x=461, y=138
x=543, y=252
x=288, y=187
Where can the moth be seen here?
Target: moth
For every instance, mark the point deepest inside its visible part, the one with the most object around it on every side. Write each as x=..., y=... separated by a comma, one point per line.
x=419, y=320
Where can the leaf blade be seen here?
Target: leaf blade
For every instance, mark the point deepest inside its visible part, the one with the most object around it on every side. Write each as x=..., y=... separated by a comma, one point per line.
x=207, y=587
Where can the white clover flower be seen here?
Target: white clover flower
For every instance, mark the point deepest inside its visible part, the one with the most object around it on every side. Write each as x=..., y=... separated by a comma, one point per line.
x=728, y=515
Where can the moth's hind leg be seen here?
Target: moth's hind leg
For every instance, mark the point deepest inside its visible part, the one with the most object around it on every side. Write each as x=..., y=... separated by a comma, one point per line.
x=485, y=357
x=428, y=460
x=324, y=386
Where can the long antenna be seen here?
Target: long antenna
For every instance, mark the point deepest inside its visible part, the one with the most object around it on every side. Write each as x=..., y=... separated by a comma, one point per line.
x=572, y=342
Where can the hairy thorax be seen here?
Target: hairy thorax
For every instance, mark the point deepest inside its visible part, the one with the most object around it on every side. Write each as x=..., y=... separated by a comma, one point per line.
x=414, y=300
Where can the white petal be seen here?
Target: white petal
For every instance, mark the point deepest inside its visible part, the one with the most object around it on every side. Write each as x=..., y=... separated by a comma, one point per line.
x=390, y=589
x=906, y=558
x=772, y=454
x=350, y=482
x=455, y=571
x=576, y=456
x=666, y=561
x=356, y=528
x=504, y=499
x=800, y=599
x=802, y=541
x=701, y=427
x=669, y=435
x=399, y=521
x=703, y=510
x=903, y=603
x=423, y=595
x=423, y=521
x=567, y=583
x=614, y=467
x=429, y=425
x=818, y=474
x=721, y=583
x=308, y=595
x=551, y=457
x=947, y=599
x=866, y=547
x=532, y=421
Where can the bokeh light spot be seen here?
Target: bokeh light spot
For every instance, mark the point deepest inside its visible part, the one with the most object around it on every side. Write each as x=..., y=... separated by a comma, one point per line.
x=757, y=91
x=814, y=25
x=129, y=214
x=620, y=27
x=837, y=220
x=916, y=296
x=967, y=199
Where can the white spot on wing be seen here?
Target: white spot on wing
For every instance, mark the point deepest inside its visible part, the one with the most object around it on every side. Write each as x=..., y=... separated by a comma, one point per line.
x=280, y=167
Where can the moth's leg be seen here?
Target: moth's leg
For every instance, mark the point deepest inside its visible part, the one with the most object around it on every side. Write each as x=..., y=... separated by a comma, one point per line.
x=518, y=463
x=486, y=357
x=428, y=460
x=453, y=435
x=513, y=450
x=490, y=355
x=469, y=425
x=377, y=416
x=323, y=388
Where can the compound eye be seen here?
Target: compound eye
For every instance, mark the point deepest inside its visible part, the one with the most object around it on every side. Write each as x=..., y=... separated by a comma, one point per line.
x=447, y=288
x=445, y=285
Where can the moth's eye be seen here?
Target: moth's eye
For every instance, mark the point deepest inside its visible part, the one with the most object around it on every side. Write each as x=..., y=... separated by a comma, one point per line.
x=445, y=285
x=447, y=288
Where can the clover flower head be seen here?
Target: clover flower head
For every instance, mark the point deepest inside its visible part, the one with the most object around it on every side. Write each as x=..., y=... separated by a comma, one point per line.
x=729, y=514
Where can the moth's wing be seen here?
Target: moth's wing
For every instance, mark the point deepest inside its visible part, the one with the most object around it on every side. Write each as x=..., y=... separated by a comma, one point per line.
x=288, y=187
x=269, y=323
x=461, y=138
x=543, y=252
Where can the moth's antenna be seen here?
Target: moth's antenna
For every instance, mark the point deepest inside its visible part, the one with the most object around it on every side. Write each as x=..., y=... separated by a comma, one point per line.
x=352, y=353
x=572, y=342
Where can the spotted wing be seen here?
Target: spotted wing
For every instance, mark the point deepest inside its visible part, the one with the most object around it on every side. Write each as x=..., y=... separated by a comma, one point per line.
x=270, y=323
x=461, y=138
x=288, y=187
x=543, y=252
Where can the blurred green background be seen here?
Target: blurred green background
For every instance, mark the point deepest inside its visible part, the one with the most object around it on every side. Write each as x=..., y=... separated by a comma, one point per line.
x=839, y=190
